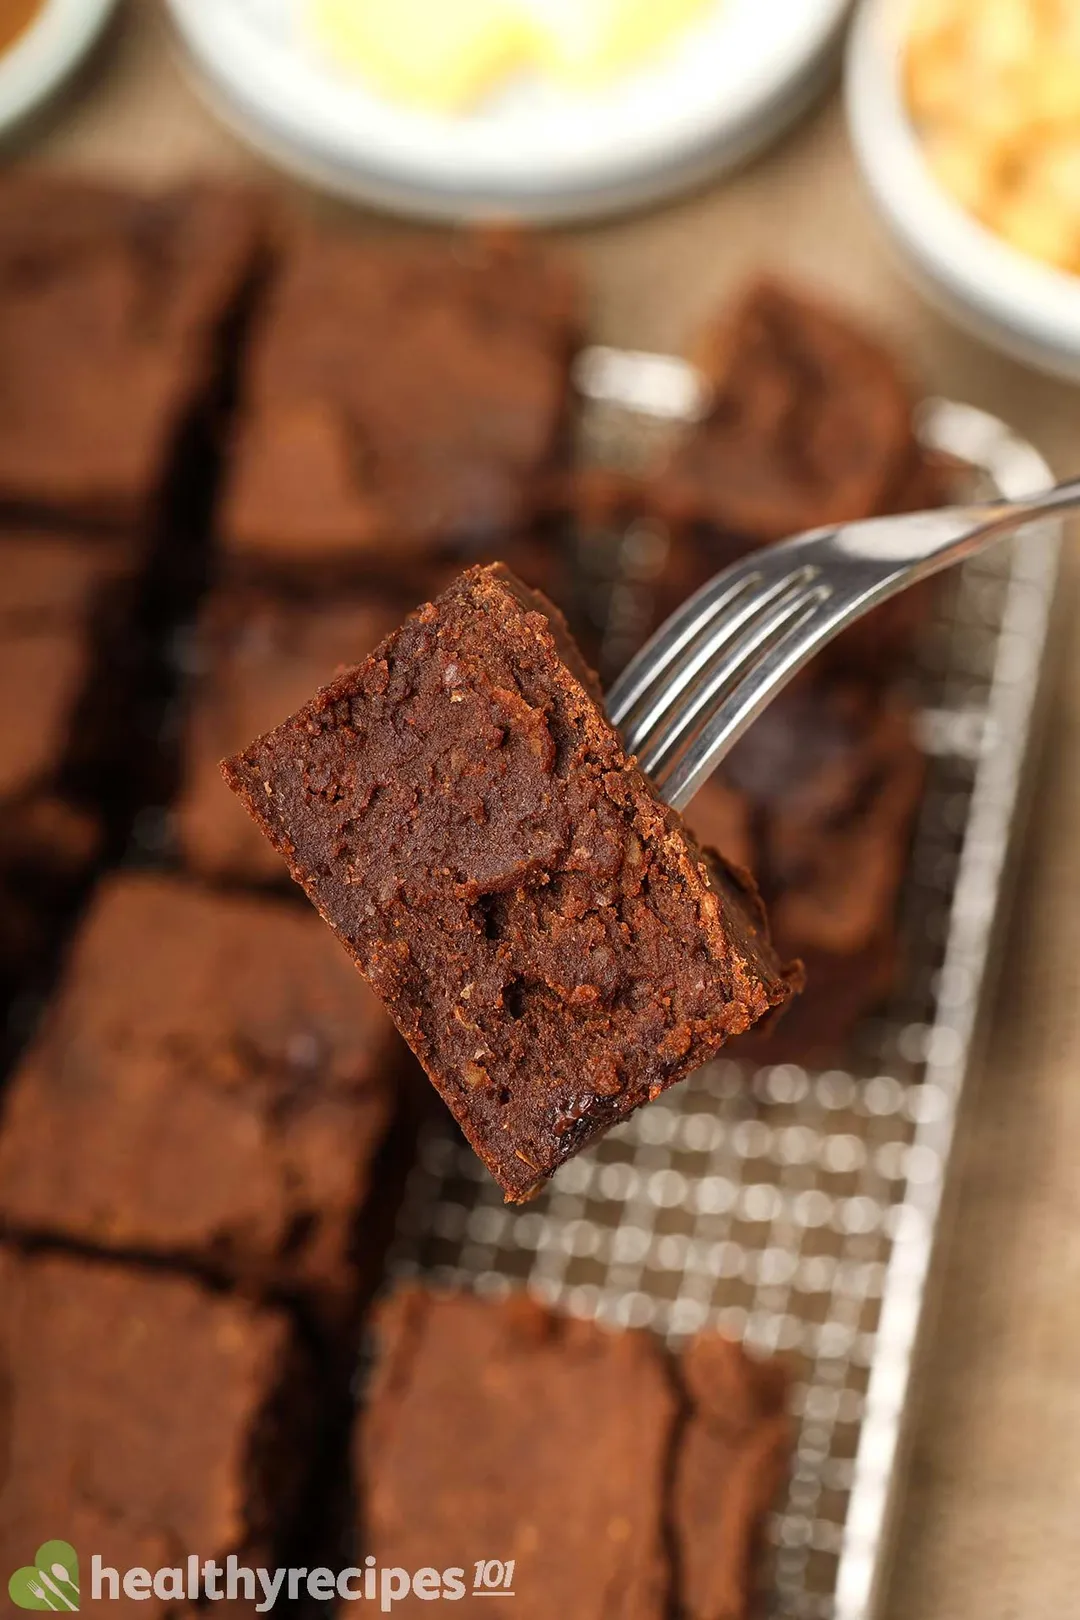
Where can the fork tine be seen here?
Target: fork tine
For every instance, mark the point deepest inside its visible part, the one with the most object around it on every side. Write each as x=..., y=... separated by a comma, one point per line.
x=676, y=634
x=726, y=623
x=775, y=615
x=792, y=649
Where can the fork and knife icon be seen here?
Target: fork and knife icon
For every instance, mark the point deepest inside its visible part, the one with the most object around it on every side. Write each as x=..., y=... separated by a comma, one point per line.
x=61, y=1575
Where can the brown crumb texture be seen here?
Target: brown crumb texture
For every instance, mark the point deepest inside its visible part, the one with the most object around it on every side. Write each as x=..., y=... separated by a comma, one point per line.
x=144, y=1418
x=212, y=1086
x=499, y=1430
x=258, y=656
x=550, y=942
x=100, y=286
x=732, y=1458
x=399, y=402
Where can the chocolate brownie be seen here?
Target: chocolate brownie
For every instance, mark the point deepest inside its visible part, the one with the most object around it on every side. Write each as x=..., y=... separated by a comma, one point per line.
x=546, y=936
x=808, y=421
x=831, y=775
x=145, y=1419
x=619, y=1483
x=60, y=725
x=399, y=402
x=732, y=1456
x=110, y=304
x=502, y=1431
x=57, y=599
x=258, y=656
x=212, y=1086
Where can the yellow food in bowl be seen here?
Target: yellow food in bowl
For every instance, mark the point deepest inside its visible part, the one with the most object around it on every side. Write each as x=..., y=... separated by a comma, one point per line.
x=441, y=54
x=447, y=54
x=994, y=88
x=584, y=42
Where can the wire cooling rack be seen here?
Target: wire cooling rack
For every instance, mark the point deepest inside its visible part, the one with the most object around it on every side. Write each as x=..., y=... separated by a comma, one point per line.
x=798, y=1210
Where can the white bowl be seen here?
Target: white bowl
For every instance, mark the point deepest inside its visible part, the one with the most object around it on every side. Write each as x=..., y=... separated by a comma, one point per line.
x=738, y=75
x=47, y=52
x=1027, y=309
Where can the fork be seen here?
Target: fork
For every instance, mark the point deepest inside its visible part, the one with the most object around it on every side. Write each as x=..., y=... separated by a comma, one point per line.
x=710, y=669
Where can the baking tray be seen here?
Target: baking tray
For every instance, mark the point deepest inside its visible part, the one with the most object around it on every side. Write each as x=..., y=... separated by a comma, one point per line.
x=798, y=1210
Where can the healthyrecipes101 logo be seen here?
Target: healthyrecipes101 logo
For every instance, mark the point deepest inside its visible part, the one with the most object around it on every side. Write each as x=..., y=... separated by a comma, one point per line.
x=50, y=1582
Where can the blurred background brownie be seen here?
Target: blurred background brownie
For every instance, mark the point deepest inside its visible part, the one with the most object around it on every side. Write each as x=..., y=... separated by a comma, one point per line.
x=399, y=404
x=819, y=797
x=111, y=305
x=145, y=1417
x=257, y=656
x=526, y=1436
x=211, y=1086
x=65, y=612
x=619, y=1481
x=733, y=1453
x=808, y=422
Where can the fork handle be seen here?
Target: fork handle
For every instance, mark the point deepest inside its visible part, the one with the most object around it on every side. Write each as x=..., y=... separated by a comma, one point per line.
x=877, y=558
x=928, y=542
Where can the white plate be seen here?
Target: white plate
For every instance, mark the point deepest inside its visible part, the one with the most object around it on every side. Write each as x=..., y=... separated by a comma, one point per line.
x=1027, y=309
x=47, y=52
x=732, y=81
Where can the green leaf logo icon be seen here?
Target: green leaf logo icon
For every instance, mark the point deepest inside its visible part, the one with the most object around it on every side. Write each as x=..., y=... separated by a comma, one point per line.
x=51, y=1582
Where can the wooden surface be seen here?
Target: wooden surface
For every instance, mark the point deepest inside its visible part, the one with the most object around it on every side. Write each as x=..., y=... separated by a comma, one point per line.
x=991, y=1528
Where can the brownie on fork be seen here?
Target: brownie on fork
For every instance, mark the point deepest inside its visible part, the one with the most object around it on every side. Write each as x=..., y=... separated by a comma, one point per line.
x=257, y=655
x=545, y=933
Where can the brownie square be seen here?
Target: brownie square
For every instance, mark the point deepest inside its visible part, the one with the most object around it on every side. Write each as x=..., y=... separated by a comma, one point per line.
x=62, y=724
x=210, y=1086
x=145, y=1419
x=732, y=1457
x=399, y=402
x=619, y=1481
x=502, y=1431
x=110, y=306
x=808, y=420
x=58, y=598
x=257, y=656
x=830, y=778
x=544, y=933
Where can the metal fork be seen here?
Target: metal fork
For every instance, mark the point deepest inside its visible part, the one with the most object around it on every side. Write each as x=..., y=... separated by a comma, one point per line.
x=714, y=665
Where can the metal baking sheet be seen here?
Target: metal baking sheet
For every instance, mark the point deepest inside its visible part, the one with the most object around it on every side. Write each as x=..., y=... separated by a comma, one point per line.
x=799, y=1210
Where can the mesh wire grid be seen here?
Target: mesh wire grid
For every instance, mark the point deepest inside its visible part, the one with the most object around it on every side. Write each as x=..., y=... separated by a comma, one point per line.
x=797, y=1210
